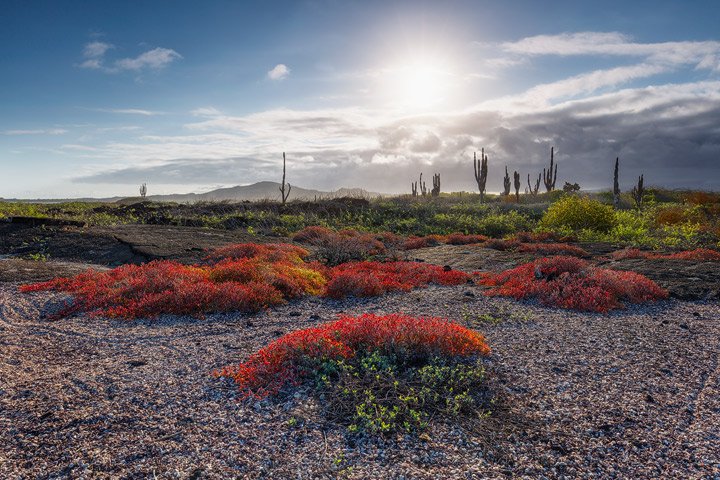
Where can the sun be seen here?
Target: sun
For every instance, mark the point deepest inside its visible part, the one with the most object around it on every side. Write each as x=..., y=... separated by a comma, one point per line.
x=418, y=84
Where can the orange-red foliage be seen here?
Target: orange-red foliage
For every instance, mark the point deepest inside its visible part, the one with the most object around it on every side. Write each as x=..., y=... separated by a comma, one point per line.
x=462, y=239
x=569, y=282
x=364, y=279
x=294, y=357
x=252, y=277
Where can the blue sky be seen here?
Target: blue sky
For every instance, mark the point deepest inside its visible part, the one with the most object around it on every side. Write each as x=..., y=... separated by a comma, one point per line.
x=98, y=97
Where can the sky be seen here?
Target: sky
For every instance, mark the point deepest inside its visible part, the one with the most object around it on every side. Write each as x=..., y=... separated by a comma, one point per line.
x=97, y=97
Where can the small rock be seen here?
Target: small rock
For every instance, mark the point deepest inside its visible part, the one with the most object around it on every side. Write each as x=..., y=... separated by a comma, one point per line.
x=137, y=363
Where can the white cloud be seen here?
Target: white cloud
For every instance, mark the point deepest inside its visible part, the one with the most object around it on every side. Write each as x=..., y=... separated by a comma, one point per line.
x=279, y=72
x=96, y=49
x=156, y=58
x=703, y=54
x=206, y=112
x=129, y=111
x=44, y=131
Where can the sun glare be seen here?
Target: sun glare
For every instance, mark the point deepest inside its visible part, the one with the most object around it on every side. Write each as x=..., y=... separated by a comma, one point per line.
x=419, y=84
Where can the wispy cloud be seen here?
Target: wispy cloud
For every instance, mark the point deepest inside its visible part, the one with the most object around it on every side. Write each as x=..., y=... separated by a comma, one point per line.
x=42, y=131
x=279, y=72
x=155, y=59
x=206, y=112
x=702, y=54
x=129, y=111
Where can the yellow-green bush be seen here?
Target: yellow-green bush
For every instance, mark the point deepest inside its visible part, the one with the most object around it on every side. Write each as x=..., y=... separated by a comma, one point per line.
x=578, y=213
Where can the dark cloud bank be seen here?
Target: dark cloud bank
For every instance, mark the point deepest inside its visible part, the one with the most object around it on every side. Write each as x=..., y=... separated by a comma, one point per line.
x=672, y=138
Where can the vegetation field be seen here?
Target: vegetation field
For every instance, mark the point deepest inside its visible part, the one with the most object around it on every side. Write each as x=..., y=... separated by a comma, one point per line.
x=410, y=336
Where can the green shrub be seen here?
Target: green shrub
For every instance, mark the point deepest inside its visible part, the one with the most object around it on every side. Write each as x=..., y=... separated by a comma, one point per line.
x=576, y=213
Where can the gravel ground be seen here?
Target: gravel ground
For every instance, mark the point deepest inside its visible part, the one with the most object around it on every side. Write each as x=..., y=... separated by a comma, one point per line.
x=632, y=394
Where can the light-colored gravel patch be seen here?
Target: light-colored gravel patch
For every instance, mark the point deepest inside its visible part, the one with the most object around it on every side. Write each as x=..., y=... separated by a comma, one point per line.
x=632, y=394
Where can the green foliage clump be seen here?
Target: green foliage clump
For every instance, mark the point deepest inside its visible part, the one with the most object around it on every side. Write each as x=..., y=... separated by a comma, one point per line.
x=380, y=394
x=574, y=213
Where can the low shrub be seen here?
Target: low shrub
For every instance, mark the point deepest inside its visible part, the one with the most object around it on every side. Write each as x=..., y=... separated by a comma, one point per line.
x=335, y=248
x=572, y=283
x=363, y=279
x=377, y=373
x=576, y=213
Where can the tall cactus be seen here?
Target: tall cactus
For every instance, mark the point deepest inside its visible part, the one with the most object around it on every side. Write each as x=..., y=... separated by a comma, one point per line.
x=638, y=191
x=143, y=190
x=283, y=194
x=480, y=172
x=534, y=190
x=423, y=186
x=413, y=186
x=435, y=192
x=516, y=182
x=506, y=183
x=616, y=184
x=549, y=177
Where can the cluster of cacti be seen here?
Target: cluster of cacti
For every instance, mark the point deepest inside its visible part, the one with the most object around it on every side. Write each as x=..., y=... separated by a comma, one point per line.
x=571, y=187
x=516, y=182
x=506, y=183
x=480, y=172
x=533, y=190
x=435, y=192
x=423, y=187
x=284, y=193
x=143, y=190
x=550, y=177
x=638, y=191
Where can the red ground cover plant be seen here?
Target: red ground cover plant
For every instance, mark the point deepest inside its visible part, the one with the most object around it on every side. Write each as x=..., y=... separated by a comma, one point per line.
x=572, y=283
x=414, y=243
x=699, y=254
x=244, y=277
x=365, y=279
x=502, y=245
x=553, y=249
x=294, y=357
x=462, y=239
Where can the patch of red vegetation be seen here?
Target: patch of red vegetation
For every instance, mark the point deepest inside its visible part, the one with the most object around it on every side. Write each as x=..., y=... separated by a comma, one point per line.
x=462, y=239
x=245, y=278
x=295, y=356
x=572, y=283
x=699, y=254
x=414, y=243
x=553, y=249
x=364, y=279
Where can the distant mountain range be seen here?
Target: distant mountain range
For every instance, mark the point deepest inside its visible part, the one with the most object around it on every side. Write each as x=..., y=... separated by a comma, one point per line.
x=254, y=192
x=261, y=191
